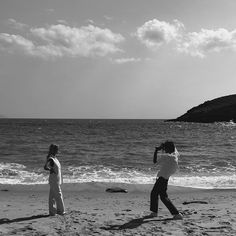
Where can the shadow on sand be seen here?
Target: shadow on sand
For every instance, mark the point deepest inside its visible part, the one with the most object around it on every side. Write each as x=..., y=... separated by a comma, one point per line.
x=134, y=223
x=8, y=221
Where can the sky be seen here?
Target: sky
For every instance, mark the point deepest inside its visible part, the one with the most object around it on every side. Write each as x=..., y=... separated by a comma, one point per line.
x=131, y=59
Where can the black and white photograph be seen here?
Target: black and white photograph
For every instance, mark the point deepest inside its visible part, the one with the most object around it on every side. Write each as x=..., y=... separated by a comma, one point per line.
x=118, y=117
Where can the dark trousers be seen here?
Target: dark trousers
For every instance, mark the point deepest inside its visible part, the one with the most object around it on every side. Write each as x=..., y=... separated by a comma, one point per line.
x=160, y=188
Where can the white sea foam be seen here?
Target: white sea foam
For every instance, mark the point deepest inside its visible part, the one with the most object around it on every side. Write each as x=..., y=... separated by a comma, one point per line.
x=231, y=123
x=132, y=176
x=205, y=182
x=105, y=174
x=13, y=173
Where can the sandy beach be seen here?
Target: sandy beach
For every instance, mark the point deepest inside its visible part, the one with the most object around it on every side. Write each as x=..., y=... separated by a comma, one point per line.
x=93, y=211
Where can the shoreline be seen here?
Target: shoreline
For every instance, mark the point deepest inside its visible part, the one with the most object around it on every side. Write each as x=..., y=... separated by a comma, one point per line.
x=95, y=186
x=93, y=211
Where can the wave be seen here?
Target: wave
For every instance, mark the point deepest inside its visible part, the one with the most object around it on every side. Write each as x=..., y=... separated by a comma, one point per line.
x=230, y=123
x=13, y=173
x=205, y=182
x=133, y=176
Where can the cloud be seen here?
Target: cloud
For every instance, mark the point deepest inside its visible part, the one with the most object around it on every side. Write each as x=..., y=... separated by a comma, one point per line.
x=50, y=10
x=61, y=40
x=64, y=22
x=205, y=41
x=15, y=43
x=155, y=33
x=17, y=25
x=90, y=21
x=126, y=60
x=109, y=18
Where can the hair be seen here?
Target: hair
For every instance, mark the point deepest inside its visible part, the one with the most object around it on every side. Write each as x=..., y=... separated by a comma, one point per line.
x=169, y=146
x=53, y=149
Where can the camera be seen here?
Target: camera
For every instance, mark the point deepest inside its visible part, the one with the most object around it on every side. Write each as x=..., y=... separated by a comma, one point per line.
x=161, y=147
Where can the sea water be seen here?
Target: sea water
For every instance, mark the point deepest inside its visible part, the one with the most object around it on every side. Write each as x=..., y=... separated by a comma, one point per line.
x=118, y=151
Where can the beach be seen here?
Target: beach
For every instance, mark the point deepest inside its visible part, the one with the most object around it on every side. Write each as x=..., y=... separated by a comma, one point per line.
x=93, y=211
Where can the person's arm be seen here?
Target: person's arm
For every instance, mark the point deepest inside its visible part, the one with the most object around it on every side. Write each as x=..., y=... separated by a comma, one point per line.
x=155, y=156
x=155, y=153
x=49, y=164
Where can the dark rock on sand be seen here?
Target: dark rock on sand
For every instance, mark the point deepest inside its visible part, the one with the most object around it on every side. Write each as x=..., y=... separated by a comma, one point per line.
x=116, y=190
x=200, y=202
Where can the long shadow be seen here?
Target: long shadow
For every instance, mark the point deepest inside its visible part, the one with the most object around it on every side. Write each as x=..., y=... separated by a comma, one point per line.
x=8, y=221
x=134, y=223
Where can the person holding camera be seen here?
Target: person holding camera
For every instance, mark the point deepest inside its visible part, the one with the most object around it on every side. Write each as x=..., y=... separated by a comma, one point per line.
x=168, y=162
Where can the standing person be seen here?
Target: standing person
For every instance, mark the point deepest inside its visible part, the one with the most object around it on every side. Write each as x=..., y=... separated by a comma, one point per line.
x=168, y=162
x=55, y=180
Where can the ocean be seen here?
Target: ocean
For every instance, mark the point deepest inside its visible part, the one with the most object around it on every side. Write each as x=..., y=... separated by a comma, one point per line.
x=117, y=151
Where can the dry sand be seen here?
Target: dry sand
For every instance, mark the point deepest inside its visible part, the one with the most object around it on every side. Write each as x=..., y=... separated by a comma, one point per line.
x=93, y=211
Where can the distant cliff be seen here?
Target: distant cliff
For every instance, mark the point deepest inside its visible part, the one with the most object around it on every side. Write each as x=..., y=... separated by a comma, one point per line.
x=216, y=110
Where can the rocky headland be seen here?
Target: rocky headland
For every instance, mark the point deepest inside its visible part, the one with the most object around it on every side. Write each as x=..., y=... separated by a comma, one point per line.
x=222, y=109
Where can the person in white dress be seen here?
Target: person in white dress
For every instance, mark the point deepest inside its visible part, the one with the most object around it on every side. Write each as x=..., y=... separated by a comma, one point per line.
x=55, y=180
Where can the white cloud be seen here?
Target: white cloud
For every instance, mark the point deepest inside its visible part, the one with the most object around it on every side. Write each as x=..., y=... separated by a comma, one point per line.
x=61, y=40
x=18, y=44
x=109, y=18
x=64, y=22
x=205, y=41
x=50, y=10
x=13, y=43
x=126, y=60
x=154, y=33
x=90, y=21
x=16, y=25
